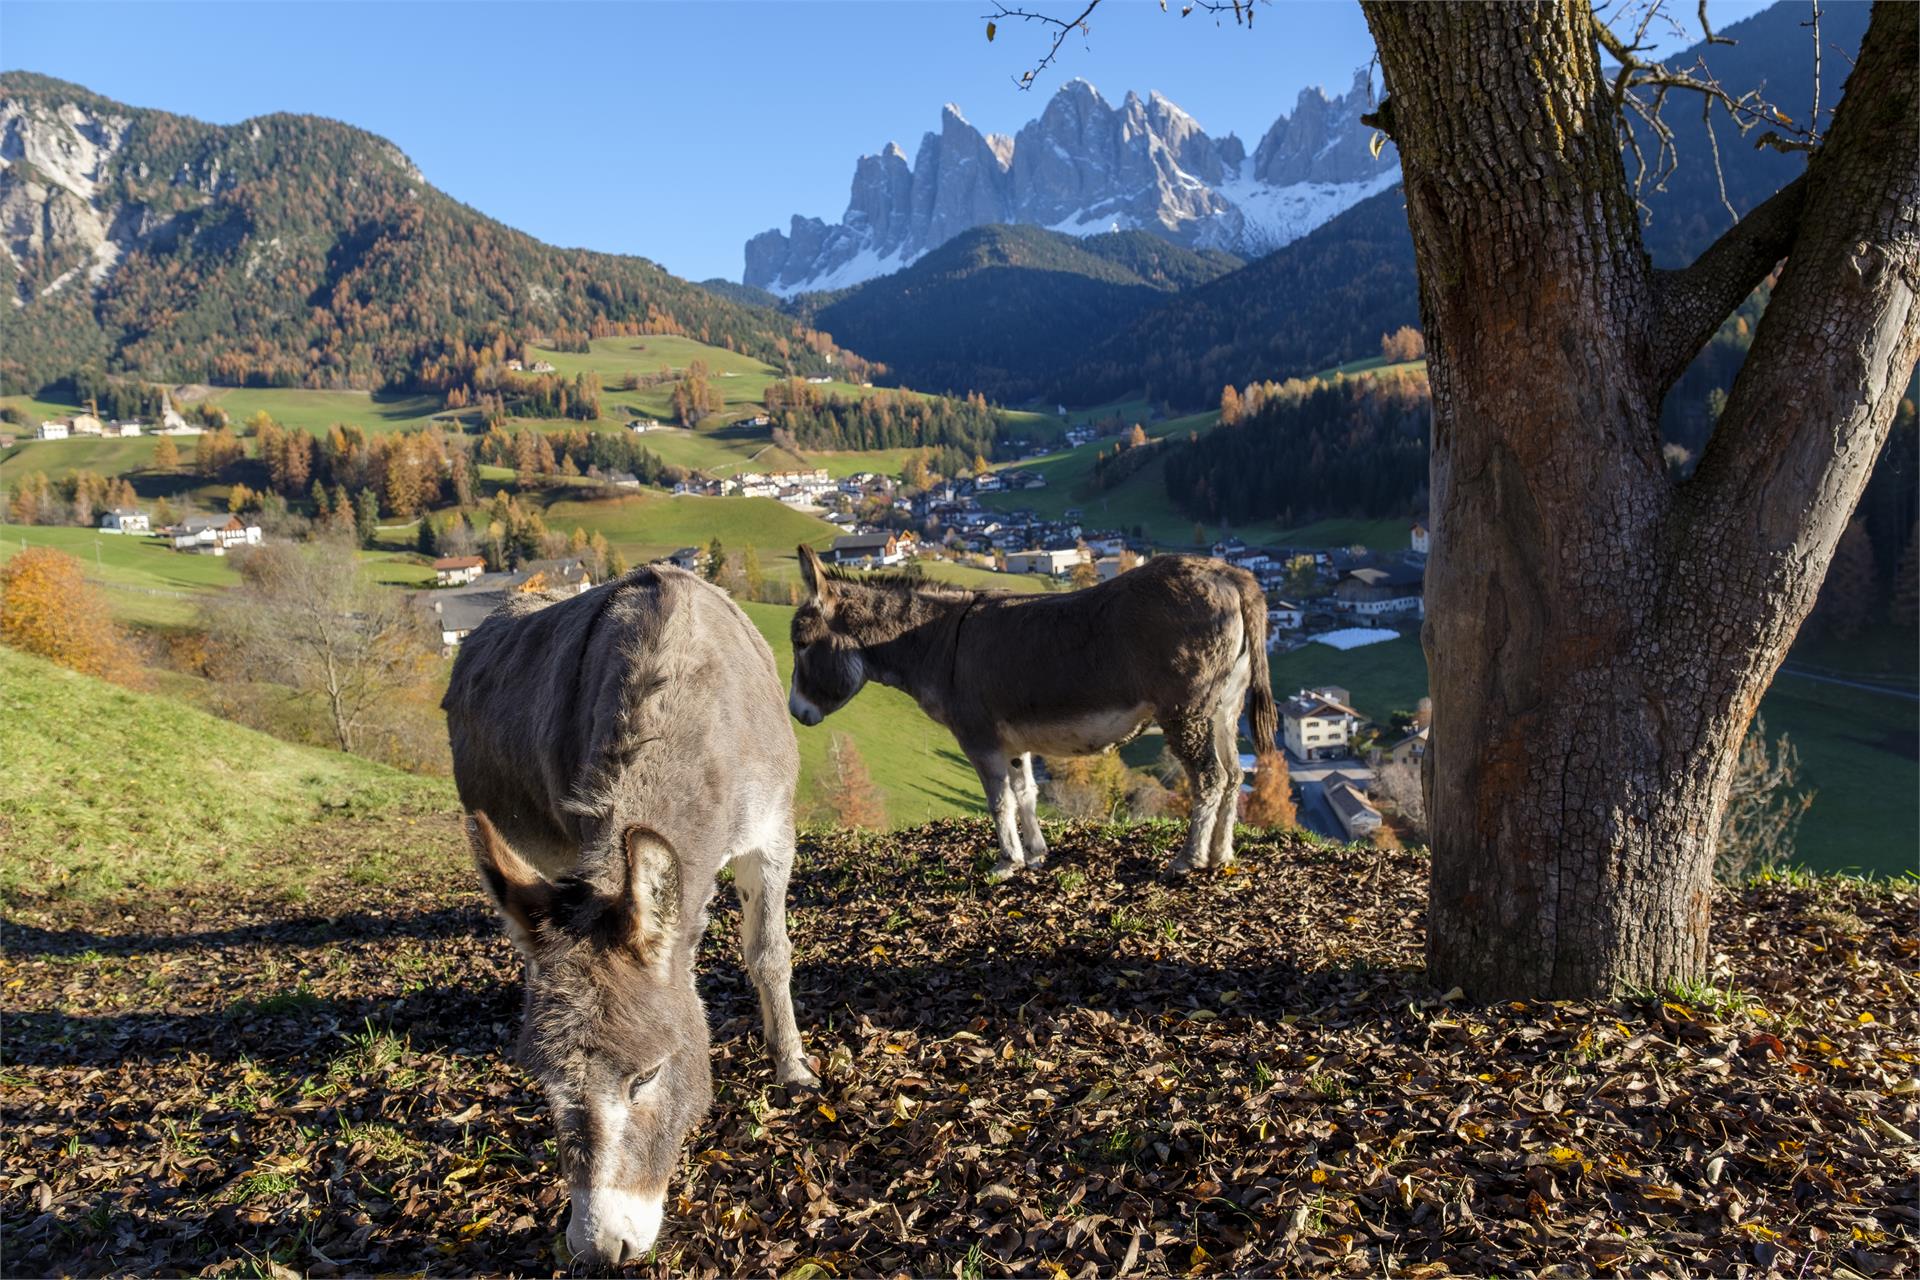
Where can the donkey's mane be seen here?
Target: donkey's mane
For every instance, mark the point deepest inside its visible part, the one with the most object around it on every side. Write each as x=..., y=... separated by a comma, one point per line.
x=897, y=581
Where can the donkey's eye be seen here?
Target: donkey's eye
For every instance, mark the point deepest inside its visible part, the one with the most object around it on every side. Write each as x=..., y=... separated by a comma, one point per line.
x=637, y=1085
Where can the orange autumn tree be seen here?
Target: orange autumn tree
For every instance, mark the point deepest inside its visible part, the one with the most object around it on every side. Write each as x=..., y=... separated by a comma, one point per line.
x=1271, y=804
x=48, y=608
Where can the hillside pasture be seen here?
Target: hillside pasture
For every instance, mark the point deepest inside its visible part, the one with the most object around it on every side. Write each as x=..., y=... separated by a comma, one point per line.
x=106, y=788
x=296, y=408
x=147, y=582
x=648, y=525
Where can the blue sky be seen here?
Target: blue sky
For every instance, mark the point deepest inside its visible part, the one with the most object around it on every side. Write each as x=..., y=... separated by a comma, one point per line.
x=669, y=128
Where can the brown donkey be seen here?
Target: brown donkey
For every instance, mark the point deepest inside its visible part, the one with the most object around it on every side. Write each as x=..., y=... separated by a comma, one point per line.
x=615, y=750
x=1179, y=640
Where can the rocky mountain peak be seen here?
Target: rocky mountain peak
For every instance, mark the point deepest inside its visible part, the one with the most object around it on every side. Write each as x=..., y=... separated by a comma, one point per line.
x=1085, y=165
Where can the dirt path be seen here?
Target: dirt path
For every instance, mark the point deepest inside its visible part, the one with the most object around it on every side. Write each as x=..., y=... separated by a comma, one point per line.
x=1244, y=1074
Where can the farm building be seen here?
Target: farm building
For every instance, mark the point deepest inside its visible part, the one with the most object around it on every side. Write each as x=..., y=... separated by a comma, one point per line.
x=1371, y=592
x=1055, y=562
x=214, y=535
x=454, y=571
x=124, y=520
x=1351, y=808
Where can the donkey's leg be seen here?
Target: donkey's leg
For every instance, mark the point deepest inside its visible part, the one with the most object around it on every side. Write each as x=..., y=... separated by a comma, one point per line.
x=991, y=765
x=1025, y=794
x=1191, y=738
x=1225, y=745
x=760, y=878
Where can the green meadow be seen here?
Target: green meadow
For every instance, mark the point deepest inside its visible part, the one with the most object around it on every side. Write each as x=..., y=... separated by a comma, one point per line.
x=916, y=767
x=105, y=787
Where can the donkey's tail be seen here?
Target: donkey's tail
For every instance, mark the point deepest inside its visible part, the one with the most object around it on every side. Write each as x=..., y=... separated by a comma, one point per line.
x=1262, y=716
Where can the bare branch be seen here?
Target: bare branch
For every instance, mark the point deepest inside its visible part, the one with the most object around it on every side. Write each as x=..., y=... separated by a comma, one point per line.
x=1064, y=28
x=1693, y=301
x=1242, y=11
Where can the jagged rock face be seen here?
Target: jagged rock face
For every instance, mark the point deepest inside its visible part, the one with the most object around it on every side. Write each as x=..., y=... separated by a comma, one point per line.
x=1086, y=166
x=1322, y=141
x=52, y=164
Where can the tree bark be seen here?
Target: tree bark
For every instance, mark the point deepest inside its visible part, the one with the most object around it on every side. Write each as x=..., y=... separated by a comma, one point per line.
x=1599, y=634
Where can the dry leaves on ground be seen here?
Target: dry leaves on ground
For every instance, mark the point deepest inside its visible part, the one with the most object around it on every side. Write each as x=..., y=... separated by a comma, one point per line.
x=1089, y=1071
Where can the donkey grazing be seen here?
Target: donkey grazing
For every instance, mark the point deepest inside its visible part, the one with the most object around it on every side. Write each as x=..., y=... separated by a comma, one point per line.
x=1179, y=640
x=615, y=749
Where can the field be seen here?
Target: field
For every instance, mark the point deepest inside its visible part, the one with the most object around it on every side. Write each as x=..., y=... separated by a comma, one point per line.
x=648, y=525
x=315, y=411
x=916, y=767
x=148, y=583
x=305, y=1067
x=104, y=788
x=1380, y=678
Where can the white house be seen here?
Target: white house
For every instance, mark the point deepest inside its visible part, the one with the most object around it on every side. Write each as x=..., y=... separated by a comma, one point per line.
x=870, y=548
x=1419, y=538
x=1054, y=562
x=214, y=535
x=126, y=427
x=53, y=431
x=456, y=571
x=124, y=520
x=85, y=424
x=1317, y=724
x=1283, y=615
x=1351, y=808
x=1371, y=592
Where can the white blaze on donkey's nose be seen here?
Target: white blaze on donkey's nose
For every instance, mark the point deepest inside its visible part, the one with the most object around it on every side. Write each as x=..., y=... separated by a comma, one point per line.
x=611, y=1225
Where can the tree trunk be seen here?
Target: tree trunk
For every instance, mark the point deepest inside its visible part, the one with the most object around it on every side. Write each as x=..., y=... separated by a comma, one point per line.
x=1599, y=635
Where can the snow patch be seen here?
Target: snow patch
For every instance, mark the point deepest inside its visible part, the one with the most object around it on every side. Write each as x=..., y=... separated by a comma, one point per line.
x=1356, y=637
x=863, y=266
x=1277, y=216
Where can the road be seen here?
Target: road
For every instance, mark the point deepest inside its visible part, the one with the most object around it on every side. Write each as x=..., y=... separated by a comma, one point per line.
x=1788, y=669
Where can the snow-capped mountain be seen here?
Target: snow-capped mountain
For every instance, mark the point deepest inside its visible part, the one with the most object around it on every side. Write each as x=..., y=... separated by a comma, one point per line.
x=1085, y=166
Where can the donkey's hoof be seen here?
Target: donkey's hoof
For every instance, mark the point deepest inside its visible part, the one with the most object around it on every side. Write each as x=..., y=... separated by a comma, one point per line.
x=1035, y=860
x=1003, y=871
x=797, y=1075
x=1222, y=862
x=1180, y=866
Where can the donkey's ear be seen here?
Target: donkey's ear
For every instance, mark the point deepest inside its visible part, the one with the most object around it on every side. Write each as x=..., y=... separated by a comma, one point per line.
x=813, y=572
x=652, y=903
x=522, y=895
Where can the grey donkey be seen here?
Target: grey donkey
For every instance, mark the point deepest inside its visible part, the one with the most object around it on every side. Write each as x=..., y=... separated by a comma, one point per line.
x=1180, y=640
x=614, y=750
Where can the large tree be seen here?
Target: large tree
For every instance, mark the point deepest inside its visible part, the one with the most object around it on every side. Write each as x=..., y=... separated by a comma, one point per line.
x=1599, y=632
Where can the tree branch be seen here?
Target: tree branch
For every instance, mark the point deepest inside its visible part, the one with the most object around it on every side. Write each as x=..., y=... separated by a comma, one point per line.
x=1694, y=300
x=1242, y=11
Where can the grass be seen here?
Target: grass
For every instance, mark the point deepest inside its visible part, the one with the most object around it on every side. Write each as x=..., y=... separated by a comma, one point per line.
x=1860, y=752
x=1380, y=678
x=315, y=411
x=105, y=787
x=1380, y=535
x=146, y=581
x=1140, y=501
x=82, y=453
x=915, y=765
x=647, y=525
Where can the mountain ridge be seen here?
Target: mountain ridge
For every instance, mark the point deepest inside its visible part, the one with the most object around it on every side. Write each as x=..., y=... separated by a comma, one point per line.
x=288, y=250
x=1084, y=166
